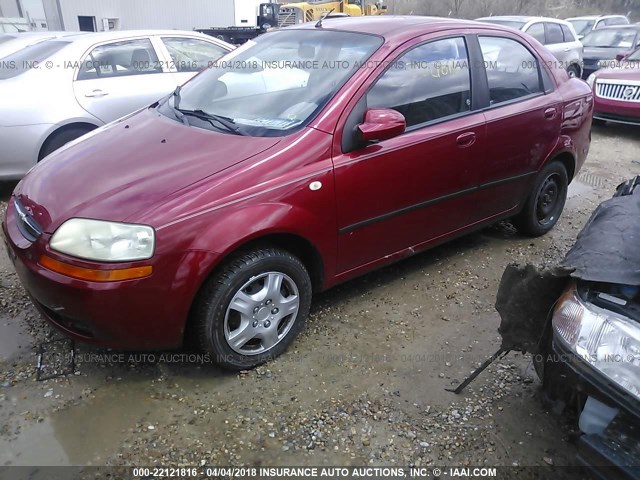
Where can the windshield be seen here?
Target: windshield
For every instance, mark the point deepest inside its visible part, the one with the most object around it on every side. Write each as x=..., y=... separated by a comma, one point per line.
x=582, y=27
x=614, y=38
x=506, y=23
x=278, y=83
x=28, y=58
x=635, y=56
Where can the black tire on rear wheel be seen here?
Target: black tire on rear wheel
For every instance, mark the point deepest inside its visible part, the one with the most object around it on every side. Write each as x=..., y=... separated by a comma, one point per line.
x=252, y=309
x=60, y=139
x=545, y=203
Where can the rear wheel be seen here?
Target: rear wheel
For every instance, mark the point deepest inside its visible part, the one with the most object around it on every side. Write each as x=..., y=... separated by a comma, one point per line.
x=61, y=138
x=545, y=202
x=251, y=311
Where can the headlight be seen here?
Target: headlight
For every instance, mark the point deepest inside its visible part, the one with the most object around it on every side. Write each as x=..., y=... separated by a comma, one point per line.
x=104, y=241
x=591, y=80
x=608, y=342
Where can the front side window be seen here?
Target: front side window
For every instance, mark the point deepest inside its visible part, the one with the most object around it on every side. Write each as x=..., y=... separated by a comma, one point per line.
x=428, y=83
x=512, y=70
x=568, y=35
x=554, y=33
x=192, y=54
x=277, y=83
x=120, y=59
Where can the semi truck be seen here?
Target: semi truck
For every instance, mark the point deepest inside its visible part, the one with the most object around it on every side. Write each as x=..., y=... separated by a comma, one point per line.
x=254, y=17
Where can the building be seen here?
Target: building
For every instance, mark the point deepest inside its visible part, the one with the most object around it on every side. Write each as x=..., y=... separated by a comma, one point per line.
x=103, y=15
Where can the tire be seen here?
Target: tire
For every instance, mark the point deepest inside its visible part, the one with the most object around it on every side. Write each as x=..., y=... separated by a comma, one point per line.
x=545, y=203
x=263, y=319
x=573, y=71
x=61, y=138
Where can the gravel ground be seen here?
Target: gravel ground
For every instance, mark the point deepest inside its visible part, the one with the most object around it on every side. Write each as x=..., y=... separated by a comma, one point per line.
x=363, y=385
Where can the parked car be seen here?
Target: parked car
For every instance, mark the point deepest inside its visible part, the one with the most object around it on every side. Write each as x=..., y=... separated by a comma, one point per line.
x=587, y=23
x=557, y=35
x=617, y=91
x=14, y=42
x=581, y=322
x=59, y=89
x=217, y=218
x=603, y=46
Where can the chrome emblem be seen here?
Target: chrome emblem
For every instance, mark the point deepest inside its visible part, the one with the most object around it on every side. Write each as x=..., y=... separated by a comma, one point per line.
x=629, y=92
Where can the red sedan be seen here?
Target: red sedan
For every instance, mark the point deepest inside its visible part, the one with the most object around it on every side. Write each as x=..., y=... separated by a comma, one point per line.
x=617, y=91
x=301, y=160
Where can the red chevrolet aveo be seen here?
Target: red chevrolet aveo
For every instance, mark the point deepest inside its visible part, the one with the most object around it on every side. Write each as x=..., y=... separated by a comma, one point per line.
x=303, y=159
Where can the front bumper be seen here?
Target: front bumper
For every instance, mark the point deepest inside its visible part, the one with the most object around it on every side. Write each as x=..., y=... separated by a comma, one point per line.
x=613, y=454
x=20, y=148
x=147, y=313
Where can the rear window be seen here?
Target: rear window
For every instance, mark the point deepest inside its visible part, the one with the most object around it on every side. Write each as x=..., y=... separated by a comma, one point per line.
x=6, y=38
x=554, y=33
x=29, y=58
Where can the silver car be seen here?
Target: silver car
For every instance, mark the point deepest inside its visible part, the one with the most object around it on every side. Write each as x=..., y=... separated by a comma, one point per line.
x=57, y=90
x=558, y=36
x=587, y=23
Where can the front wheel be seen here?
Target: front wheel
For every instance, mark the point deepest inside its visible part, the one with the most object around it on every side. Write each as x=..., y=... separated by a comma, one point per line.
x=251, y=311
x=545, y=202
x=573, y=71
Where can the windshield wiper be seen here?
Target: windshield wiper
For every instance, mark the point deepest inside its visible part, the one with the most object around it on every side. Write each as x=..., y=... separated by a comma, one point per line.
x=227, y=123
x=176, y=104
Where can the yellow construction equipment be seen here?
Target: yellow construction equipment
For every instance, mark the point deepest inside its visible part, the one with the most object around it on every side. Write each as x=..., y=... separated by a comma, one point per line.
x=313, y=10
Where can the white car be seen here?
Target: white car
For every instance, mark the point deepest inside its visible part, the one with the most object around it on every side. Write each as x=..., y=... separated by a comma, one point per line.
x=586, y=24
x=558, y=36
x=59, y=89
x=14, y=42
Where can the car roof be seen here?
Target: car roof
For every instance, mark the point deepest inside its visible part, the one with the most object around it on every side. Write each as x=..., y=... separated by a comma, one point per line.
x=633, y=26
x=594, y=17
x=396, y=27
x=116, y=34
x=522, y=18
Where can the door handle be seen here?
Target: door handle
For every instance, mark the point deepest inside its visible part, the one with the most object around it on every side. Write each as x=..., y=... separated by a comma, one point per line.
x=96, y=94
x=566, y=49
x=550, y=113
x=466, y=139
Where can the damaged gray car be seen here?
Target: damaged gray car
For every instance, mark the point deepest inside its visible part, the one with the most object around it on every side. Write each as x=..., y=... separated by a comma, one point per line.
x=581, y=322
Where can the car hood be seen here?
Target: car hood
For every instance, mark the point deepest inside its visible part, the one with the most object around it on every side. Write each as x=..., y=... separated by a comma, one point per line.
x=128, y=166
x=597, y=53
x=630, y=72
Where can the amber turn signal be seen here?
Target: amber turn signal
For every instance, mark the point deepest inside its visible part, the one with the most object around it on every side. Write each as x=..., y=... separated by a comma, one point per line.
x=94, y=275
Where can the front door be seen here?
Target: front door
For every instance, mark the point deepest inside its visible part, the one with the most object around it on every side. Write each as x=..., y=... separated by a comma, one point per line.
x=403, y=192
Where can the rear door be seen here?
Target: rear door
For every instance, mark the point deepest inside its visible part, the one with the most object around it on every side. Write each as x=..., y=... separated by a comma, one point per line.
x=555, y=42
x=523, y=118
x=117, y=78
x=415, y=188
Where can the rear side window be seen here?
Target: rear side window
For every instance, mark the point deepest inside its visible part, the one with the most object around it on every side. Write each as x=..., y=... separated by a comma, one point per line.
x=512, y=70
x=119, y=59
x=29, y=58
x=428, y=83
x=537, y=31
x=554, y=33
x=568, y=35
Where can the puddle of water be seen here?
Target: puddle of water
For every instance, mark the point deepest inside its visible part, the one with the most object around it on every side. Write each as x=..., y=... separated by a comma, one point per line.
x=15, y=342
x=82, y=435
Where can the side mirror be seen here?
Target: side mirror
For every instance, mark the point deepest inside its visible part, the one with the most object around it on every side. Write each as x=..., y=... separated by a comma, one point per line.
x=382, y=124
x=620, y=56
